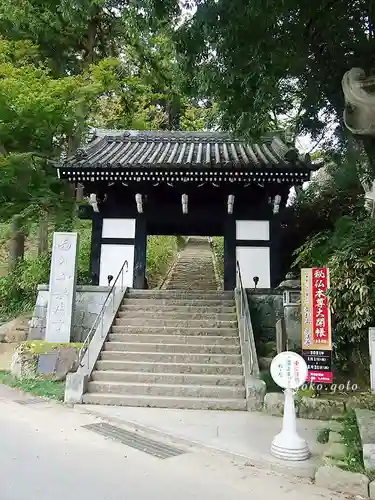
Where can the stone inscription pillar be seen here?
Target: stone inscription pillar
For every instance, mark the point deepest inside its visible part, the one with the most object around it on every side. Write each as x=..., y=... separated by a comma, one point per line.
x=62, y=285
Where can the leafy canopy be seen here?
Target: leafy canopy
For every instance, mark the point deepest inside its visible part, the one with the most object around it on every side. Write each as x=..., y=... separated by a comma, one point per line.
x=259, y=58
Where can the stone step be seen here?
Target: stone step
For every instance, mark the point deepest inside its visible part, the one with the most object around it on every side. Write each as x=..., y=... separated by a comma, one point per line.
x=190, y=285
x=161, y=313
x=187, y=285
x=172, y=330
x=202, y=287
x=178, y=302
x=171, y=348
x=175, y=368
x=154, y=308
x=159, y=357
x=186, y=274
x=169, y=390
x=180, y=294
x=187, y=278
x=175, y=339
x=167, y=378
x=164, y=402
x=179, y=323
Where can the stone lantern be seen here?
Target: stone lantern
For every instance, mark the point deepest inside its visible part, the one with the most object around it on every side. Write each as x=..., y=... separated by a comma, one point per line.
x=291, y=288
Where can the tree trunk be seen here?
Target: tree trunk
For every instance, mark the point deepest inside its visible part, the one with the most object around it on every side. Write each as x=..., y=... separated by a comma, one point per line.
x=16, y=244
x=43, y=235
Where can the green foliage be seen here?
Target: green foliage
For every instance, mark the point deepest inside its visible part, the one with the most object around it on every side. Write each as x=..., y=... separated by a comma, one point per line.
x=43, y=347
x=161, y=251
x=270, y=383
x=259, y=60
x=84, y=256
x=334, y=230
x=18, y=289
x=322, y=435
x=348, y=251
x=351, y=438
x=218, y=247
x=44, y=388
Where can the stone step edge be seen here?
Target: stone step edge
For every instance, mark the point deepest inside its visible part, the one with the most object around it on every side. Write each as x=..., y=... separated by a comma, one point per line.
x=185, y=300
x=161, y=386
x=164, y=307
x=162, y=292
x=174, y=328
x=190, y=315
x=156, y=335
x=195, y=346
x=168, y=398
x=195, y=323
x=169, y=353
x=169, y=374
x=163, y=363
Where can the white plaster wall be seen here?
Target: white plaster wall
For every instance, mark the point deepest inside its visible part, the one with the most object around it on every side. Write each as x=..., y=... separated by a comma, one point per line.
x=112, y=259
x=253, y=230
x=254, y=261
x=118, y=228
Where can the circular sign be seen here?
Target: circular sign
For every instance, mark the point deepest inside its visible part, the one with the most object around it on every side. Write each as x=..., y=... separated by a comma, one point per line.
x=289, y=370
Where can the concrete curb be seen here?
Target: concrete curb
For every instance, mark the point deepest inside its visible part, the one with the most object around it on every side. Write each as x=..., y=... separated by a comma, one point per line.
x=302, y=471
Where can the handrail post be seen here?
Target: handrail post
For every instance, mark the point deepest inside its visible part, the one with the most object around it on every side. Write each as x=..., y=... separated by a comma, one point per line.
x=102, y=323
x=246, y=330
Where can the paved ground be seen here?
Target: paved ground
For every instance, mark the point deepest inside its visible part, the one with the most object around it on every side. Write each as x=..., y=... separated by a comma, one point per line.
x=45, y=454
x=240, y=433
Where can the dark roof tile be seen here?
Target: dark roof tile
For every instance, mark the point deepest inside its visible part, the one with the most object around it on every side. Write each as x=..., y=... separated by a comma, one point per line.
x=126, y=149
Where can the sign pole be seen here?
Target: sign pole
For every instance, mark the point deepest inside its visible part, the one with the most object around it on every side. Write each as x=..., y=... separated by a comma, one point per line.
x=289, y=371
x=288, y=445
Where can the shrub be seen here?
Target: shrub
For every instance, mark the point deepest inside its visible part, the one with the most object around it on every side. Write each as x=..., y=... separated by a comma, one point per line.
x=349, y=253
x=18, y=289
x=161, y=251
x=218, y=247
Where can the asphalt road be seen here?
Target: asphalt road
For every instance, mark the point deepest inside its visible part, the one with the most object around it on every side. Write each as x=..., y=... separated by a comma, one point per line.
x=45, y=454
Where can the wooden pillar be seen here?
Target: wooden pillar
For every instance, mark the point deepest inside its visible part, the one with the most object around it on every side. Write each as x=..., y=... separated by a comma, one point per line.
x=230, y=253
x=140, y=249
x=275, y=251
x=96, y=247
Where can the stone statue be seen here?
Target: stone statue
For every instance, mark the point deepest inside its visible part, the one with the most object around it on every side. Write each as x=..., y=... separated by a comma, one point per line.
x=359, y=93
x=359, y=118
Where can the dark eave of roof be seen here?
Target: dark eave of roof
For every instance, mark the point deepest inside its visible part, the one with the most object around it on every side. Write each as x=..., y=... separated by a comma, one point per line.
x=123, y=150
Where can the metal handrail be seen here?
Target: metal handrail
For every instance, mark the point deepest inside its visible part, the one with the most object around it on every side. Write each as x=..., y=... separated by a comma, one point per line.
x=100, y=316
x=244, y=313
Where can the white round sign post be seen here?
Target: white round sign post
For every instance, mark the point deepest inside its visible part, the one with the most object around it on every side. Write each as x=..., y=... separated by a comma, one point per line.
x=289, y=371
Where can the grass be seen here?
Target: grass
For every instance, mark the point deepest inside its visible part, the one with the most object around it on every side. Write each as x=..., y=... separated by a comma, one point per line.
x=161, y=252
x=44, y=388
x=352, y=440
x=43, y=347
x=218, y=246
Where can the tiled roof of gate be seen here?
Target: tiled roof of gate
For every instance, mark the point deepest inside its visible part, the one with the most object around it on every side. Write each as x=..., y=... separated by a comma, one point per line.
x=125, y=149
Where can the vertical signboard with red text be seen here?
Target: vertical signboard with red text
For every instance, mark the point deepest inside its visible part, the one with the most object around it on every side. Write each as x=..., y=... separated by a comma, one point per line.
x=316, y=325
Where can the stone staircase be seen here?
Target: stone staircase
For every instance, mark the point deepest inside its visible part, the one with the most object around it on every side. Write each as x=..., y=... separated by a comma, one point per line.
x=174, y=348
x=194, y=270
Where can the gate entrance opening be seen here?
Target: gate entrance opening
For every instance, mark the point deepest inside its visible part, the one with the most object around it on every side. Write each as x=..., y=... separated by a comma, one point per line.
x=183, y=183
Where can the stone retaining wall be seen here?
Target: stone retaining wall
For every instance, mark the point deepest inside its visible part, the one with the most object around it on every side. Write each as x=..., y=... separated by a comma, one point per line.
x=89, y=301
x=366, y=427
x=266, y=308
